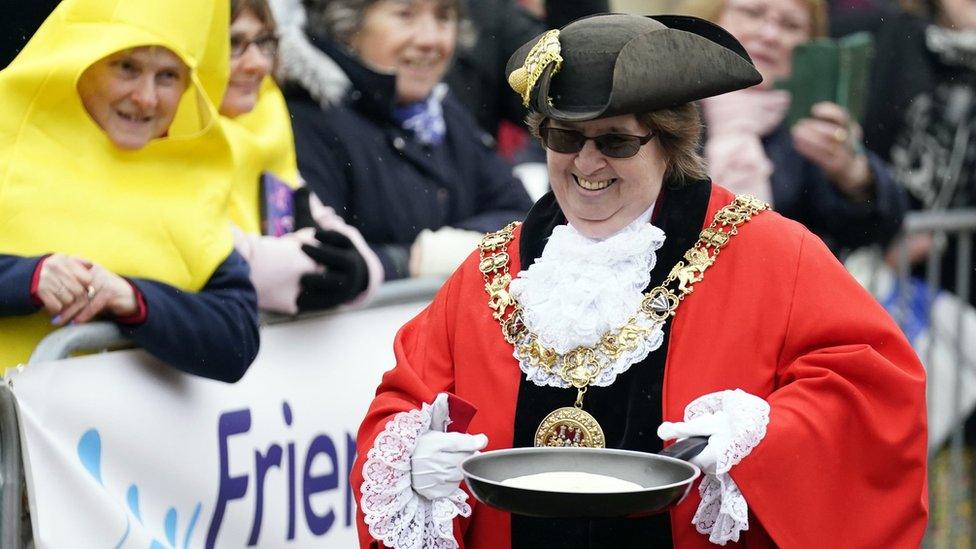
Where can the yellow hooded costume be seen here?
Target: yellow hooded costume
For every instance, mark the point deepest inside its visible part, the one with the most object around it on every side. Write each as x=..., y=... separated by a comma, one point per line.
x=262, y=141
x=159, y=212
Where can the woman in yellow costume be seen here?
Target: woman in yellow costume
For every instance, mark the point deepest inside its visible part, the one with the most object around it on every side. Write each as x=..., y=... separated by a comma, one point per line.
x=114, y=184
x=325, y=264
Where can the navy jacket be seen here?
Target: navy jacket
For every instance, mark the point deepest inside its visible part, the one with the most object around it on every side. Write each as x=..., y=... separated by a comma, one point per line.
x=386, y=183
x=802, y=192
x=212, y=333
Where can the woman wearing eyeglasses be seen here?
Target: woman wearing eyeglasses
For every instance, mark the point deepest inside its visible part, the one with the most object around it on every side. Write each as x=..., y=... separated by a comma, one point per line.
x=815, y=172
x=383, y=141
x=293, y=268
x=638, y=303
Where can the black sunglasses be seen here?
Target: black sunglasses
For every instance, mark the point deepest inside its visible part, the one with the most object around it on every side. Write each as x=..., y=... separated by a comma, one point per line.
x=615, y=145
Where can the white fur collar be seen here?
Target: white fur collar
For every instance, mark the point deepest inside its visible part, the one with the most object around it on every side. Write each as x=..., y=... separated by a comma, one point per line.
x=300, y=61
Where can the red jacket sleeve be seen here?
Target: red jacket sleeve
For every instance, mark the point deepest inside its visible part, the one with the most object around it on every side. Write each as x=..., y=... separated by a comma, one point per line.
x=424, y=368
x=844, y=457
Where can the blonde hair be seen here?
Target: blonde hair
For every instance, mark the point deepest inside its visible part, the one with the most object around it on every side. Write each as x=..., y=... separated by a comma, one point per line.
x=712, y=10
x=678, y=131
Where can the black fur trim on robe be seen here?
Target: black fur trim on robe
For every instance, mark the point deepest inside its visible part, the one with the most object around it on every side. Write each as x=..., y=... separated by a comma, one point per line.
x=629, y=410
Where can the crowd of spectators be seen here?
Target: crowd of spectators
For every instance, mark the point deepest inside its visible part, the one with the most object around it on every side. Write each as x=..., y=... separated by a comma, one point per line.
x=395, y=152
x=219, y=159
x=355, y=141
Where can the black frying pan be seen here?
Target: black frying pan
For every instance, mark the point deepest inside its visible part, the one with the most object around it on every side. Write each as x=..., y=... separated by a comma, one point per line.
x=666, y=478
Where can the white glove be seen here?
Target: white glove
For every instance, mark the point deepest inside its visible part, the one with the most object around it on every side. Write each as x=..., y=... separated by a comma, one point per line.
x=715, y=426
x=735, y=423
x=434, y=465
x=440, y=252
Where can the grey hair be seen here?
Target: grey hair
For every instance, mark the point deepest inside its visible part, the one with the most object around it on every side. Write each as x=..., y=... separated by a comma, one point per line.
x=341, y=19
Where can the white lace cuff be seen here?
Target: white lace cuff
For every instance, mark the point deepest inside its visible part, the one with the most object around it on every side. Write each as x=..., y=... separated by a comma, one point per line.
x=723, y=512
x=395, y=514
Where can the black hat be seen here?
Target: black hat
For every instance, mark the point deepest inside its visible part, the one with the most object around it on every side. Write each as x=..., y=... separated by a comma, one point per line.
x=612, y=64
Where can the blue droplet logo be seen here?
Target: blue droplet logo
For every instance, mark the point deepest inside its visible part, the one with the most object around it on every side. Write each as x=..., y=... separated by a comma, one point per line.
x=90, y=453
x=90, y=456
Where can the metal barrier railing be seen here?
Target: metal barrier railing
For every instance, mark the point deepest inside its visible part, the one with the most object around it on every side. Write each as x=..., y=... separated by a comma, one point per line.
x=11, y=473
x=952, y=467
x=936, y=313
x=100, y=336
x=951, y=501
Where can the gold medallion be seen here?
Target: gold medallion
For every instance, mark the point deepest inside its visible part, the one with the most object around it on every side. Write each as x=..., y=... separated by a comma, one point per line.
x=570, y=427
x=582, y=366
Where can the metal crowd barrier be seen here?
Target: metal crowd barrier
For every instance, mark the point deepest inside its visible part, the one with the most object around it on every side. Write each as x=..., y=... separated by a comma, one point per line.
x=953, y=469
x=100, y=336
x=11, y=474
x=941, y=321
x=952, y=466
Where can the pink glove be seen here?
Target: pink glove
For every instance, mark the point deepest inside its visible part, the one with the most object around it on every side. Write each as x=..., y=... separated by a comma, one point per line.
x=277, y=265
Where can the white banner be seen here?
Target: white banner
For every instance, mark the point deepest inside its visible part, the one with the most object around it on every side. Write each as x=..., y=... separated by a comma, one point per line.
x=122, y=451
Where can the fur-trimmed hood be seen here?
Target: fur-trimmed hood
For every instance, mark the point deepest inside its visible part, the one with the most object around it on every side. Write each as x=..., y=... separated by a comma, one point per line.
x=301, y=62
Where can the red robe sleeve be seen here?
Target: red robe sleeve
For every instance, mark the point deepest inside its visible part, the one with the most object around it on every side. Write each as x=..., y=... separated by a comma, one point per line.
x=424, y=368
x=843, y=462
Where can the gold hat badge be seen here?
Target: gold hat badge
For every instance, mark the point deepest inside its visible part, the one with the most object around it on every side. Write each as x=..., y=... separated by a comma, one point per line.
x=544, y=52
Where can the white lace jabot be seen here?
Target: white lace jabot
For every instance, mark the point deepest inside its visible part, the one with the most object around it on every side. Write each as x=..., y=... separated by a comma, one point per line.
x=582, y=288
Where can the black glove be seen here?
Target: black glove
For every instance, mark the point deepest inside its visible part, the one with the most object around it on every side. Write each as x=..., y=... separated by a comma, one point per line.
x=302, y=208
x=345, y=276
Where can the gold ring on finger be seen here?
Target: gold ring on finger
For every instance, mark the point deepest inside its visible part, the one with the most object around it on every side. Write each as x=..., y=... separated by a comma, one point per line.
x=90, y=291
x=840, y=135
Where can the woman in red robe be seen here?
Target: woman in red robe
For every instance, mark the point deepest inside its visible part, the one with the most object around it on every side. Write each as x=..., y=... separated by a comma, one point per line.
x=673, y=308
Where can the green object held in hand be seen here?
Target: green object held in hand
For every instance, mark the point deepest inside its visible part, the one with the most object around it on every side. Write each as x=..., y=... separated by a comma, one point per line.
x=829, y=70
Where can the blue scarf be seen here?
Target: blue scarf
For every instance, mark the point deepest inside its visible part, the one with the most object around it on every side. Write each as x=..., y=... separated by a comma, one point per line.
x=424, y=118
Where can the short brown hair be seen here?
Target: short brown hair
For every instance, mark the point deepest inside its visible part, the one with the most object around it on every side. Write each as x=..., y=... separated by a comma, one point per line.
x=677, y=129
x=259, y=8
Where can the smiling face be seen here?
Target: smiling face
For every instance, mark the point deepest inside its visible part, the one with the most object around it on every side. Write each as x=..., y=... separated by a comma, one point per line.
x=133, y=94
x=601, y=195
x=414, y=39
x=249, y=68
x=769, y=30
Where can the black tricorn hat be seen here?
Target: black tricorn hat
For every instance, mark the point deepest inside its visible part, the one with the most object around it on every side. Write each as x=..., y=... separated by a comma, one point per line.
x=612, y=64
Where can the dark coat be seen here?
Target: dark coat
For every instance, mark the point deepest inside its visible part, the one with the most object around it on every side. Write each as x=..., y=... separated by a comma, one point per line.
x=921, y=116
x=478, y=73
x=387, y=184
x=802, y=192
x=906, y=70
x=212, y=333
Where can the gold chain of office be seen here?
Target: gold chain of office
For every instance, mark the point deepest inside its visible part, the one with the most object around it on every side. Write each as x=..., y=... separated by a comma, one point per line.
x=581, y=366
